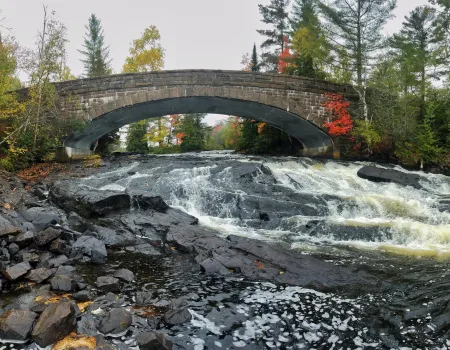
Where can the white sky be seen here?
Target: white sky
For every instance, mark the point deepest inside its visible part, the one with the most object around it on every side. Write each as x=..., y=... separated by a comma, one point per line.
x=196, y=34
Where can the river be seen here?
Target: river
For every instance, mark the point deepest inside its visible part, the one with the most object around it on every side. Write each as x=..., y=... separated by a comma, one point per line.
x=399, y=235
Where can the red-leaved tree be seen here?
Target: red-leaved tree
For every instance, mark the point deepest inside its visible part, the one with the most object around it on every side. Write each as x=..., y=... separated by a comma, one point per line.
x=342, y=122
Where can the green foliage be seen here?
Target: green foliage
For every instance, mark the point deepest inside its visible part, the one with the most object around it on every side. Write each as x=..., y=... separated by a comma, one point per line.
x=193, y=130
x=366, y=132
x=255, y=65
x=96, y=55
x=248, y=136
x=137, y=137
x=5, y=163
x=107, y=143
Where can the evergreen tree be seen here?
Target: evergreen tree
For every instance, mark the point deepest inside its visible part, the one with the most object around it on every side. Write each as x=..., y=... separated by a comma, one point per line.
x=137, y=137
x=96, y=55
x=276, y=15
x=304, y=15
x=255, y=67
x=192, y=130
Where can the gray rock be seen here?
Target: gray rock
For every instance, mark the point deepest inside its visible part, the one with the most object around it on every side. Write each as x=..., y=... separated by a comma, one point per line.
x=56, y=262
x=115, y=238
x=116, y=321
x=125, y=275
x=7, y=228
x=16, y=324
x=24, y=239
x=63, y=283
x=76, y=222
x=57, y=321
x=144, y=298
x=212, y=266
x=376, y=174
x=28, y=257
x=91, y=247
x=41, y=217
x=65, y=270
x=177, y=317
x=58, y=246
x=39, y=275
x=108, y=284
x=87, y=325
x=153, y=341
x=44, y=237
x=13, y=249
x=14, y=272
x=83, y=296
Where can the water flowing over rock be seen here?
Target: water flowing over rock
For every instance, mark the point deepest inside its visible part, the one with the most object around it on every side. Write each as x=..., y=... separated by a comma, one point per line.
x=376, y=174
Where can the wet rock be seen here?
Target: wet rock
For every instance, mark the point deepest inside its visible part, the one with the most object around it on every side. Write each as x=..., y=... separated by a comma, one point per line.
x=7, y=228
x=58, y=246
x=88, y=202
x=83, y=296
x=40, y=193
x=212, y=266
x=144, y=298
x=144, y=249
x=76, y=222
x=65, y=270
x=44, y=237
x=125, y=275
x=375, y=174
x=115, y=238
x=56, y=262
x=87, y=325
x=91, y=247
x=108, y=284
x=177, y=317
x=116, y=321
x=14, y=272
x=145, y=201
x=102, y=343
x=13, y=249
x=16, y=324
x=63, y=283
x=39, y=275
x=153, y=341
x=41, y=217
x=55, y=323
x=24, y=239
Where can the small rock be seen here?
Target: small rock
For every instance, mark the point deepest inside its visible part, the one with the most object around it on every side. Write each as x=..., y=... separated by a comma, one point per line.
x=44, y=237
x=65, y=270
x=108, y=284
x=153, y=341
x=115, y=238
x=144, y=298
x=14, y=272
x=16, y=324
x=212, y=266
x=76, y=222
x=125, y=275
x=7, y=228
x=58, y=246
x=87, y=325
x=13, y=249
x=56, y=262
x=41, y=217
x=24, y=239
x=39, y=275
x=115, y=322
x=90, y=246
x=28, y=257
x=57, y=321
x=83, y=296
x=62, y=283
x=177, y=317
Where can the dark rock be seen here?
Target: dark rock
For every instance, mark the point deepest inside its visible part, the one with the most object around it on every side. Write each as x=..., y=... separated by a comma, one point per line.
x=76, y=222
x=41, y=217
x=145, y=201
x=144, y=298
x=91, y=247
x=24, y=239
x=63, y=283
x=88, y=202
x=57, y=321
x=115, y=238
x=14, y=272
x=116, y=321
x=40, y=193
x=87, y=325
x=125, y=275
x=13, y=249
x=65, y=270
x=28, y=257
x=177, y=317
x=108, y=284
x=153, y=341
x=102, y=343
x=212, y=266
x=39, y=275
x=46, y=256
x=83, y=296
x=7, y=228
x=16, y=324
x=144, y=249
x=44, y=237
x=58, y=246
x=56, y=262
x=376, y=174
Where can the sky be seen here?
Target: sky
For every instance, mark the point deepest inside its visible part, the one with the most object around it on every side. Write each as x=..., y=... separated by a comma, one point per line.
x=196, y=34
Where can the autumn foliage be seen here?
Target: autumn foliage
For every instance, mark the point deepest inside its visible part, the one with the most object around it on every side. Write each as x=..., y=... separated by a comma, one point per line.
x=284, y=57
x=342, y=122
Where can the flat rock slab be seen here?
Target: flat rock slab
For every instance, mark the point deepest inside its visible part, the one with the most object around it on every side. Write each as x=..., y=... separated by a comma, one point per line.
x=14, y=272
x=124, y=275
x=376, y=174
x=17, y=324
x=44, y=237
x=7, y=228
x=108, y=284
x=40, y=275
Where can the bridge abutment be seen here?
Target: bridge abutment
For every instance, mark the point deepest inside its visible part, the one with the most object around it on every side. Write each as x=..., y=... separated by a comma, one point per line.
x=67, y=154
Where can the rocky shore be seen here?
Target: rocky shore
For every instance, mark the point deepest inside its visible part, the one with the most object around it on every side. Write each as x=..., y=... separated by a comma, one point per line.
x=49, y=229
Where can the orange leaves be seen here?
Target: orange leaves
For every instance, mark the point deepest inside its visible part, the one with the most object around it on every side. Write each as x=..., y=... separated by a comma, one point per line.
x=261, y=127
x=258, y=264
x=284, y=57
x=38, y=172
x=342, y=123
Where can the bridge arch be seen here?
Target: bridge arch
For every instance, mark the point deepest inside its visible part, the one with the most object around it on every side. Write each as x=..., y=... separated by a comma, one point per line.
x=293, y=104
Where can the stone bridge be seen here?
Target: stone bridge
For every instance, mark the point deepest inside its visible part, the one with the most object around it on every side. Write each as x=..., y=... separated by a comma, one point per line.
x=293, y=104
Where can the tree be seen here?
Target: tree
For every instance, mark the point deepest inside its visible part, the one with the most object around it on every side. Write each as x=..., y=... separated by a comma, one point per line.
x=191, y=130
x=136, y=140
x=96, y=55
x=158, y=131
x=146, y=53
x=255, y=66
x=355, y=26
x=276, y=15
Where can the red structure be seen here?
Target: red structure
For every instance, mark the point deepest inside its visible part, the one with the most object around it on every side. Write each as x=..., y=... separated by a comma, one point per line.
x=285, y=55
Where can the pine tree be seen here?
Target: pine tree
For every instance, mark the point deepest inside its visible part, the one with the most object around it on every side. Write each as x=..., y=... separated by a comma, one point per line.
x=96, y=55
x=192, y=131
x=275, y=14
x=137, y=137
x=255, y=66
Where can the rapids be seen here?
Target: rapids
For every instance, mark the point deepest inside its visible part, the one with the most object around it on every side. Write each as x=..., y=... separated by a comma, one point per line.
x=400, y=235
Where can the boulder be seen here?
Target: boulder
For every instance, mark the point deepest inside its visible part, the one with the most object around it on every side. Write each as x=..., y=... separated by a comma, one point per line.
x=39, y=275
x=115, y=238
x=153, y=341
x=57, y=321
x=91, y=247
x=41, y=217
x=14, y=272
x=145, y=201
x=7, y=228
x=124, y=275
x=16, y=325
x=88, y=202
x=108, y=284
x=376, y=174
x=63, y=283
x=116, y=321
x=24, y=239
x=44, y=237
